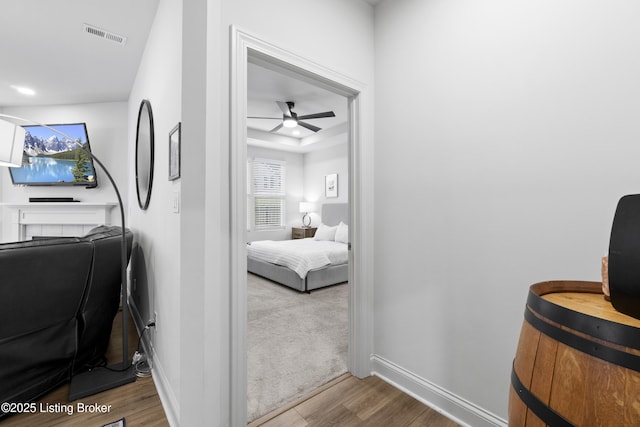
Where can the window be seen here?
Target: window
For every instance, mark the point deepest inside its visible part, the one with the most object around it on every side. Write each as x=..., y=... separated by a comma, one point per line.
x=265, y=194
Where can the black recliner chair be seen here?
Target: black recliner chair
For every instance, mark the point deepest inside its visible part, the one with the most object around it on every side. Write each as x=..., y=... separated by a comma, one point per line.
x=58, y=299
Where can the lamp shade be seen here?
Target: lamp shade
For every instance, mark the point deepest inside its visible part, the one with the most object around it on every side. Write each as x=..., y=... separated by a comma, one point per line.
x=11, y=144
x=307, y=207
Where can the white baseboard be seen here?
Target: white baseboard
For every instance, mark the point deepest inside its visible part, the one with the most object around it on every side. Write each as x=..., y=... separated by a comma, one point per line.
x=452, y=406
x=168, y=399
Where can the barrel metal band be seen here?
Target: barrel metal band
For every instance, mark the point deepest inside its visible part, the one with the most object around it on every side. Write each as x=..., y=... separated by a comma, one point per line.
x=542, y=411
x=584, y=345
x=617, y=333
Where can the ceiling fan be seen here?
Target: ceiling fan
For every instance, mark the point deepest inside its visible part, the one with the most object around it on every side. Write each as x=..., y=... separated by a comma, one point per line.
x=291, y=119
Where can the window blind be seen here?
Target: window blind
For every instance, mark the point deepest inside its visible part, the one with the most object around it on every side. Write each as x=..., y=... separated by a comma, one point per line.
x=267, y=193
x=268, y=178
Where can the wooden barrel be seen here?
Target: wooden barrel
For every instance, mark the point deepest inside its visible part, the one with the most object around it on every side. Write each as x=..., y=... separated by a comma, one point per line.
x=577, y=362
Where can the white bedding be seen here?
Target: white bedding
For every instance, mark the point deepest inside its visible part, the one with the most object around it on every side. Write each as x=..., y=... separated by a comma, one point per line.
x=299, y=255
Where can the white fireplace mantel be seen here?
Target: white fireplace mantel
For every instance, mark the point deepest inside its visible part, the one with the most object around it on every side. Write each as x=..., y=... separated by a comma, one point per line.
x=22, y=221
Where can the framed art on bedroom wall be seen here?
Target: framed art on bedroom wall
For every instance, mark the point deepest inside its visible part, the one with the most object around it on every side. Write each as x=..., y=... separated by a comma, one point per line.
x=331, y=185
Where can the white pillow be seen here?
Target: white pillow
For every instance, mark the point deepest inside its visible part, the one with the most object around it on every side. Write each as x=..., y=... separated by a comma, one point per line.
x=342, y=233
x=324, y=232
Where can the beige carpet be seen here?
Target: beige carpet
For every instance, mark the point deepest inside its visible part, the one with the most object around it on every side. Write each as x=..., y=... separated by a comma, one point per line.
x=296, y=342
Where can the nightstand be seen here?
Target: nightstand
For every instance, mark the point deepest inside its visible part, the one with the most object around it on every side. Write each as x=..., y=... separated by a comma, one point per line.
x=301, y=232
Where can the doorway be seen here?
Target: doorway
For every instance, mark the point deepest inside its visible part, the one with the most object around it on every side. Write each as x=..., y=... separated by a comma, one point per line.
x=296, y=341
x=247, y=49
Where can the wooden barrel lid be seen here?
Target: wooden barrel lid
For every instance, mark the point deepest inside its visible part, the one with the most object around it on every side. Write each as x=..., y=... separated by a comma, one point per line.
x=581, y=306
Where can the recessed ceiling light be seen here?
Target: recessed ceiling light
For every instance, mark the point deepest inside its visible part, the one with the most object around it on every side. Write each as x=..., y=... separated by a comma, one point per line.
x=24, y=90
x=296, y=132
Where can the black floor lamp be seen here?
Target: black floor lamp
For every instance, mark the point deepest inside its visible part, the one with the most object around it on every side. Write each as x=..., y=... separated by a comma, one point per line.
x=103, y=378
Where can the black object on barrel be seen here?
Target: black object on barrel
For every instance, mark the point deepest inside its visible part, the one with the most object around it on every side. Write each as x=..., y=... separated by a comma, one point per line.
x=624, y=257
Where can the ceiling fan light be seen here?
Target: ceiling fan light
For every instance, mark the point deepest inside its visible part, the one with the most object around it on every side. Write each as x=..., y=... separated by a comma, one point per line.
x=289, y=122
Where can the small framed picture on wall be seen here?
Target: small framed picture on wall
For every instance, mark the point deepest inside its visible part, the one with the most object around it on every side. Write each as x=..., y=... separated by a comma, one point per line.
x=331, y=185
x=174, y=153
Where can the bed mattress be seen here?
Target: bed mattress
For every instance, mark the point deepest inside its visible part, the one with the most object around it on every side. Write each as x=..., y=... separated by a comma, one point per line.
x=300, y=255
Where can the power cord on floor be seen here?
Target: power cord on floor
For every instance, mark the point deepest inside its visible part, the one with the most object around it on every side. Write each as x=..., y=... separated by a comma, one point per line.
x=140, y=362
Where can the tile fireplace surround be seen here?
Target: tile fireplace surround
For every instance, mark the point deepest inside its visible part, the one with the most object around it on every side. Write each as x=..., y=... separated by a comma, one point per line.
x=22, y=221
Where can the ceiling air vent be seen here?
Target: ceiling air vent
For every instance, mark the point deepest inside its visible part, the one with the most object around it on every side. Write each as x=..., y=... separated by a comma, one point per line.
x=104, y=34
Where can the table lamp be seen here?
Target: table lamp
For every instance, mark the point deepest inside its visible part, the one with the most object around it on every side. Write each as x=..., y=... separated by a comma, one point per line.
x=306, y=207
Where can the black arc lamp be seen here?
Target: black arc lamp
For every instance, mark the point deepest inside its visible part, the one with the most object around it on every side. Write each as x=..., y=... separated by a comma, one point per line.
x=102, y=378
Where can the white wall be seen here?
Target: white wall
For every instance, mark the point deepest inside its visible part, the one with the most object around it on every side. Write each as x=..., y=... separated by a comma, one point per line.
x=157, y=229
x=107, y=129
x=319, y=164
x=519, y=134
x=294, y=191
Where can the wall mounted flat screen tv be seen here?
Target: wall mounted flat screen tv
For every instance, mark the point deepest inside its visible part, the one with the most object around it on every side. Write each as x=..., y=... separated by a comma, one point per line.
x=49, y=158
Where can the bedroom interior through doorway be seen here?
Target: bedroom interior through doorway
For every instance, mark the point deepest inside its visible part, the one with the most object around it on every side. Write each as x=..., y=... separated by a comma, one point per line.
x=288, y=359
x=246, y=47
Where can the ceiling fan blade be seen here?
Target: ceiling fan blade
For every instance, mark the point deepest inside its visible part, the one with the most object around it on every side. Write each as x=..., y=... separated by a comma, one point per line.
x=277, y=128
x=271, y=118
x=309, y=126
x=317, y=115
x=285, y=108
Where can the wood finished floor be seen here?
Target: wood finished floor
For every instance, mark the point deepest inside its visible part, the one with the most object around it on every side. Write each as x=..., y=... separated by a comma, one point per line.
x=345, y=402
x=350, y=401
x=138, y=402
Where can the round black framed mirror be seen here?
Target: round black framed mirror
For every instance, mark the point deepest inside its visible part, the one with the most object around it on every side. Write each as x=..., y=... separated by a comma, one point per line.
x=144, y=154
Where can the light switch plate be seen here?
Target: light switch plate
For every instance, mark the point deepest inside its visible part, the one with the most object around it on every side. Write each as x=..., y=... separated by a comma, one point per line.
x=176, y=201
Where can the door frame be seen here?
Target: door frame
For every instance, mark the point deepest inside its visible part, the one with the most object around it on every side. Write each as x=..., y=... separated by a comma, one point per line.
x=246, y=47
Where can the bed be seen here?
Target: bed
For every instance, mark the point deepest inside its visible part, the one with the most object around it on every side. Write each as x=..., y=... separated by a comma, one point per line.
x=326, y=263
